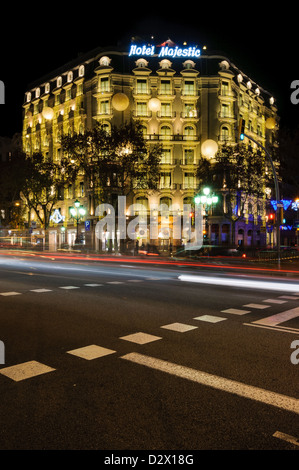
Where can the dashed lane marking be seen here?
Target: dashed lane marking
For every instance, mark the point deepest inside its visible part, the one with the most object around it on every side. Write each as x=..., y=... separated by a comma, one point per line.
x=10, y=293
x=258, y=306
x=69, y=287
x=39, y=291
x=209, y=318
x=180, y=327
x=140, y=338
x=26, y=370
x=235, y=311
x=91, y=352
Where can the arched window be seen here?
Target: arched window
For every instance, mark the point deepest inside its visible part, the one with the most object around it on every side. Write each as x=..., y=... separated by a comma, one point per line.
x=165, y=132
x=81, y=70
x=224, y=135
x=189, y=132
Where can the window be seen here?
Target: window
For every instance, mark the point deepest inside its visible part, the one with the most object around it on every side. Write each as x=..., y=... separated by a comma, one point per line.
x=190, y=110
x=165, y=180
x=104, y=84
x=189, y=87
x=224, y=110
x=81, y=70
x=37, y=93
x=104, y=107
x=165, y=132
x=141, y=86
x=224, y=133
x=224, y=88
x=166, y=156
x=189, y=132
x=189, y=181
x=165, y=109
x=188, y=156
x=165, y=87
x=47, y=88
x=70, y=77
x=59, y=82
x=141, y=109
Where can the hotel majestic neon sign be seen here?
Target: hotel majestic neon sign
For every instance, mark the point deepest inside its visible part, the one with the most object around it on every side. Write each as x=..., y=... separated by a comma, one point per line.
x=165, y=51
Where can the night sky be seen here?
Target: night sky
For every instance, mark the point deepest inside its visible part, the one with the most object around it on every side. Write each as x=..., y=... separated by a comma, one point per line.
x=259, y=38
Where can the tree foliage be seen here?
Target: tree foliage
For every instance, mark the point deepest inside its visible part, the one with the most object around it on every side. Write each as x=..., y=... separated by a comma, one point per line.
x=240, y=174
x=114, y=163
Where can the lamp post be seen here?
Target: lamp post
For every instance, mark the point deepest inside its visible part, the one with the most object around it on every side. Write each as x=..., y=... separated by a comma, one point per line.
x=207, y=199
x=77, y=213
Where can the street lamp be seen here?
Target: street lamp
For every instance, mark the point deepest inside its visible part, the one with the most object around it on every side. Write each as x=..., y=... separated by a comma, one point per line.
x=77, y=213
x=207, y=199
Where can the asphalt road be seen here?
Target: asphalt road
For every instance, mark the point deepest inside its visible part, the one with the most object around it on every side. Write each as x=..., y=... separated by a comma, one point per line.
x=106, y=355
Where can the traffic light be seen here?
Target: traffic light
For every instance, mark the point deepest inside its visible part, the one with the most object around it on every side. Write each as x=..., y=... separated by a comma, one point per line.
x=271, y=219
x=241, y=129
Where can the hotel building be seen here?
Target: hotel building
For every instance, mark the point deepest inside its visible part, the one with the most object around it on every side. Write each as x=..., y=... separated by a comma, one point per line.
x=200, y=97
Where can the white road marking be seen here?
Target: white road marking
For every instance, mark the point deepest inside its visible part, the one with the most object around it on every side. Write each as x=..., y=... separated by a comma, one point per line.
x=235, y=311
x=259, y=306
x=180, y=327
x=279, y=317
x=140, y=338
x=246, y=391
x=93, y=285
x=210, y=318
x=25, y=370
x=41, y=290
x=286, y=437
x=275, y=328
x=91, y=352
x=275, y=301
x=69, y=287
x=10, y=293
x=114, y=282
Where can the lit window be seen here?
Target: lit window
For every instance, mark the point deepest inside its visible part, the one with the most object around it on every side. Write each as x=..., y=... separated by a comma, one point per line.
x=81, y=70
x=189, y=87
x=165, y=87
x=59, y=82
x=141, y=86
x=28, y=97
x=37, y=93
x=69, y=77
x=47, y=88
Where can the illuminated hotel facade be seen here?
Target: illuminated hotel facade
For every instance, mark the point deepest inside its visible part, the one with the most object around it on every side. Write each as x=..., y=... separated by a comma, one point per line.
x=201, y=97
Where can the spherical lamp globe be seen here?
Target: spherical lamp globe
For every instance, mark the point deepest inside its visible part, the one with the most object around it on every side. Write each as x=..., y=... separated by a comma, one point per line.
x=120, y=101
x=154, y=104
x=48, y=113
x=270, y=123
x=209, y=148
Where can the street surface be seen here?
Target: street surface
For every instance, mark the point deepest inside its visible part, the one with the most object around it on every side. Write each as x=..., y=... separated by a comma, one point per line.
x=147, y=354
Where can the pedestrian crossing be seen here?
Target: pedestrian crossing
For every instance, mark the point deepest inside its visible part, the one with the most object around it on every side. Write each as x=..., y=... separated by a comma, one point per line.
x=34, y=368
